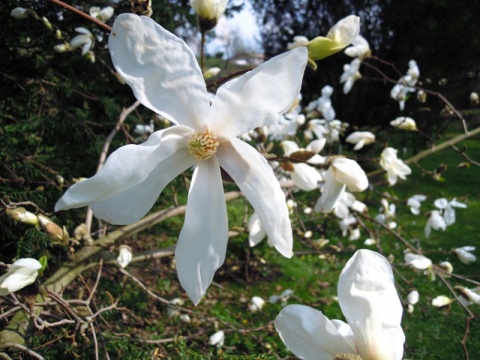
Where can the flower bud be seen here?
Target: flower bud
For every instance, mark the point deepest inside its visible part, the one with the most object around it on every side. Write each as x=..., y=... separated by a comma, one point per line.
x=124, y=256
x=208, y=11
x=22, y=215
x=54, y=232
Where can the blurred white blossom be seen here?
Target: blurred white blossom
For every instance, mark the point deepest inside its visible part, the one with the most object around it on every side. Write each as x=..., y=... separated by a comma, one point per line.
x=217, y=339
x=125, y=255
x=394, y=166
x=465, y=255
x=85, y=39
x=404, y=123
x=256, y=304
x=21, y=273
x=360, y=139
x=414, y=203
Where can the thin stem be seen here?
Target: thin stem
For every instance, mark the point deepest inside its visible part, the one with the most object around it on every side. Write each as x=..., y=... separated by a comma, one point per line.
x=202, y=51
x=100, y=24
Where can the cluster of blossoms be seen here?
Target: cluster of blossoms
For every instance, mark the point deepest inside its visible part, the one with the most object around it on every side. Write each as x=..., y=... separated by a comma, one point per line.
x=165, y=77
x=405, y=84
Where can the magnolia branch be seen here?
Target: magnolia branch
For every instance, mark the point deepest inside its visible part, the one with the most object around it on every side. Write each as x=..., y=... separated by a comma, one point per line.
x=74, y=10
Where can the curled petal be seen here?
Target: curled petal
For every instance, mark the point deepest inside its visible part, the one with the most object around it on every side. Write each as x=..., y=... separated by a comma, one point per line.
x=160, y=68
x=311, y=335
x=256, y=180
x=305, y=176
x=258, y=97
x=202, y=243
x=331, y=192
x=370, y=303
x=348, y=172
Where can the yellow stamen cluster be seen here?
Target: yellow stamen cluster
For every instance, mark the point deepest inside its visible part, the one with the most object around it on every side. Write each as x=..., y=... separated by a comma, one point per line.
x=203, y=144
x=345, y=356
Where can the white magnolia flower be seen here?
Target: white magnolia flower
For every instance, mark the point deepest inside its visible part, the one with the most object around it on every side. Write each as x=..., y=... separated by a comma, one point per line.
x=256, y=232
x=448, y=208
x=404, y=123
x=350, y=75
x=471, y=296
x=342, y=34
x=464, y=254
x=20, y=13
x=303, y=175
x=359, y=49
x=21, y=273
x=256, y=304
x=100, y=14
x=394, y=166
x=412, y=299
x=165, y=77
x=418, y=262
x=217, y=339
x=436, y=222
x=474, y=98
x=282, y=298
x=347, y=201
x=61, y=48
x=142, y=129
x=414, y=203
x=360, y=139
x=369, y=302
x=441, y=301
x=85, y=40
x=405, y=84
x=339, y=36
x=125, y=255
x=342, y=173
x=209, y=9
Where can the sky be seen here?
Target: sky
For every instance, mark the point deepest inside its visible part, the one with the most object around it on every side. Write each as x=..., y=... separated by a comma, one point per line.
x=233, y=36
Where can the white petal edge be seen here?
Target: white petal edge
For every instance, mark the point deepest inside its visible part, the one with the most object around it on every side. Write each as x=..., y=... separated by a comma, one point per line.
x=370, y=303
x=309, y=334
x=134, y=203
x=255, y=178
x=123, y=171
x=202, y=243
x=160, y=68
x=331, y=192
x=258, y=97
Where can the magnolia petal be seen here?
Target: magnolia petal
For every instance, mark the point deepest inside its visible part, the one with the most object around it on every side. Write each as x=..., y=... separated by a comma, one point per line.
x=126, y=188
x=348, y=172
x=311, y=335
x=134, y=203
x=256, y=233
x=305, y=177
x=331, y=192
x=202, y=243
x=345, y=31
x=255, y=178
x=160, y=68
x=258, y=97
x=370, y=303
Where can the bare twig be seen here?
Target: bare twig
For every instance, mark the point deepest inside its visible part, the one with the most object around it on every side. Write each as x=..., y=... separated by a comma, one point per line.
x=101, y=25
x=30, y=352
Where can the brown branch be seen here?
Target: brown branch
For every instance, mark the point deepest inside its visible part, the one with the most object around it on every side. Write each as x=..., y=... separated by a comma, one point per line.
x=430, y=151
x=100, y=24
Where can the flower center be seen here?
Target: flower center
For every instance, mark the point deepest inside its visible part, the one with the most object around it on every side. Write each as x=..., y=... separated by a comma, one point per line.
x=203, y=144
x=347, y=356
